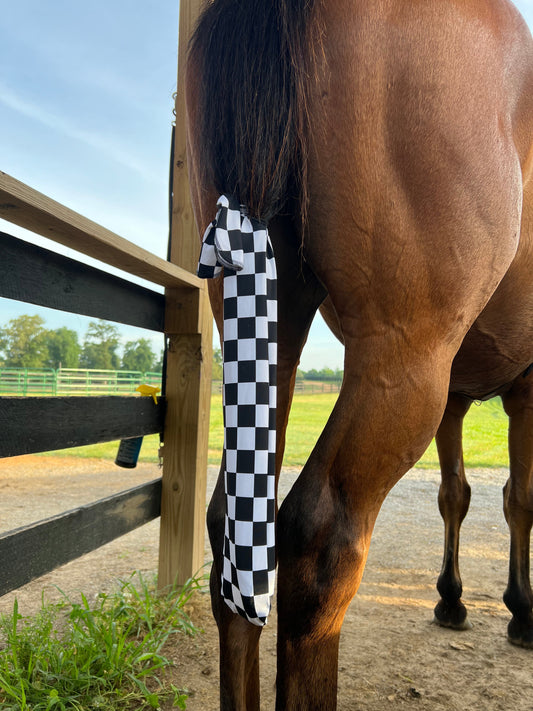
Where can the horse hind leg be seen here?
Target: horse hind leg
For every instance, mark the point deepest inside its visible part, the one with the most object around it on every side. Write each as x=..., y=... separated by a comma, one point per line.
x=372, y=438
x=518, y=509
x=454, y=500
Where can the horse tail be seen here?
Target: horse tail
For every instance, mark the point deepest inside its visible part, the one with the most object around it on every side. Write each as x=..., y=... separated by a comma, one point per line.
x=254, y=59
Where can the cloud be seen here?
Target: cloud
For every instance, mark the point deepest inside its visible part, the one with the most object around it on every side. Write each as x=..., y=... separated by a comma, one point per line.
x=59, y=124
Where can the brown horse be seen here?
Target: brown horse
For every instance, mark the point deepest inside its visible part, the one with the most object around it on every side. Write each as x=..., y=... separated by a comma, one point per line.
x=389, y=144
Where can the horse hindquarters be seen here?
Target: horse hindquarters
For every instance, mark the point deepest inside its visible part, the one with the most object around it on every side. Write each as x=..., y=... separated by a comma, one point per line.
x=413, y=218
x=408, y=264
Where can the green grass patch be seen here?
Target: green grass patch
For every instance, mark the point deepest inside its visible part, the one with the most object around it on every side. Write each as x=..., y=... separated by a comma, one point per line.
x=485, y=435
x=484, y=438
x=107, y=655
x=484, y=432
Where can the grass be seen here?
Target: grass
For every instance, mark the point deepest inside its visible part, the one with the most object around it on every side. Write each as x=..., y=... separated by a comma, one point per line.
x=107, y=656
x=485, y=435
x=484, y=438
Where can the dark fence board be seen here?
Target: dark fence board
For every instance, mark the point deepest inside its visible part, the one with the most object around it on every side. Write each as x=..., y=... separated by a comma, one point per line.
x=38, y=276
x=40, y=424
x=29, y=552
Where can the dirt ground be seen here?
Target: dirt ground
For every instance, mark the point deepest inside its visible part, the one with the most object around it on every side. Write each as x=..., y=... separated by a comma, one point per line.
x=391, y=656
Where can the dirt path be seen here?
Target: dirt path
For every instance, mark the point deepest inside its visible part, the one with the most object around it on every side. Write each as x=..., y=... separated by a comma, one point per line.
x=391, y=655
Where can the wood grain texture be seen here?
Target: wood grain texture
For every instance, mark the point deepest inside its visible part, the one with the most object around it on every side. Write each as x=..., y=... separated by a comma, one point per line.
x=181, y=548
x=185, y=244
x=34, y=211
x=183, y=313
x=189, y=328
x=40, y=424
x=38, y=276
x=29, y=552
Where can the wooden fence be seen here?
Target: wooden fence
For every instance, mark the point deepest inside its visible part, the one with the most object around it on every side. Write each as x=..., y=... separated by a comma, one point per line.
x=34, y=424
x=39, y=276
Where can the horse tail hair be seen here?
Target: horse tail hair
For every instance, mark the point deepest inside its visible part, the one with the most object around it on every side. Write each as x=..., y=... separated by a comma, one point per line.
x=254, y=59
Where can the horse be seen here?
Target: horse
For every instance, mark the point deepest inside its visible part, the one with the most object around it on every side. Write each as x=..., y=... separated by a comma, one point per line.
x=389, y=146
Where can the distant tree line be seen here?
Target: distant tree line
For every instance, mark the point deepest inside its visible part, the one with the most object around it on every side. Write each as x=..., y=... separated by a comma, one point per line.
x=26, y=343
x=324, y=375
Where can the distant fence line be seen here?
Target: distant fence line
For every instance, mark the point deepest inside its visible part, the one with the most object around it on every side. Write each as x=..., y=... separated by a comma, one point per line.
x=73, y=381
x=309, y=387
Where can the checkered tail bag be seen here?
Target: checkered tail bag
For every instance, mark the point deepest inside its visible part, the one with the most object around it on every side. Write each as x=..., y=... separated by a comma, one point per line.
x=241, y=246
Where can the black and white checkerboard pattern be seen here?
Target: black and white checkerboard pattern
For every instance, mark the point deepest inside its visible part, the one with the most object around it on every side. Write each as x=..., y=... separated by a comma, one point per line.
x=242, y=247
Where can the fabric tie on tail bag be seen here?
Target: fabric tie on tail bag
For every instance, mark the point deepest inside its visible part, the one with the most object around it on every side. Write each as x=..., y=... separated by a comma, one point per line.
x=242, y=247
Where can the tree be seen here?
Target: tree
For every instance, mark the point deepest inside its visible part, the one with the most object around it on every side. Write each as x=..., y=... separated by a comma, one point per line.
x=138, y=355
x=63, y=348
x=23, y=343
x=158, y=367
x=326, y=374
x=312, y=374
x=100, y=346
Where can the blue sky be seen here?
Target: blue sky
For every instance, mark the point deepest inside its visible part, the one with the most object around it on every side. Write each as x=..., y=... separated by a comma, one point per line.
x=85, y=117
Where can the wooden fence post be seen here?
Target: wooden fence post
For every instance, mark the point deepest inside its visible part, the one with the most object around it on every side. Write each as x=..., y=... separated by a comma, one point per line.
x=188, y=326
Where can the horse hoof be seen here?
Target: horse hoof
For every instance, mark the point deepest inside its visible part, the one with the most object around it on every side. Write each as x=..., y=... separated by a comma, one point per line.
x=454, y=617
x=518, y=642
x=464, y=625
x=520, y=635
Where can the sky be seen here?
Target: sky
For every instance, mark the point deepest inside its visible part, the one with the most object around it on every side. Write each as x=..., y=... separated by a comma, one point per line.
x=85, y=117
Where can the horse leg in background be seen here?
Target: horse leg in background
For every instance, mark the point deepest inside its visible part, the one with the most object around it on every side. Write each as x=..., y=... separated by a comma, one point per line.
x=454, y=499
x=518, y=491
x=299, y=295
x=518, y=509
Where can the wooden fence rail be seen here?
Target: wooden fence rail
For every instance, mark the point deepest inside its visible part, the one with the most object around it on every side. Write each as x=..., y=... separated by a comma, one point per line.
x=34, y=424
x=61, y=283
x=29, y=552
